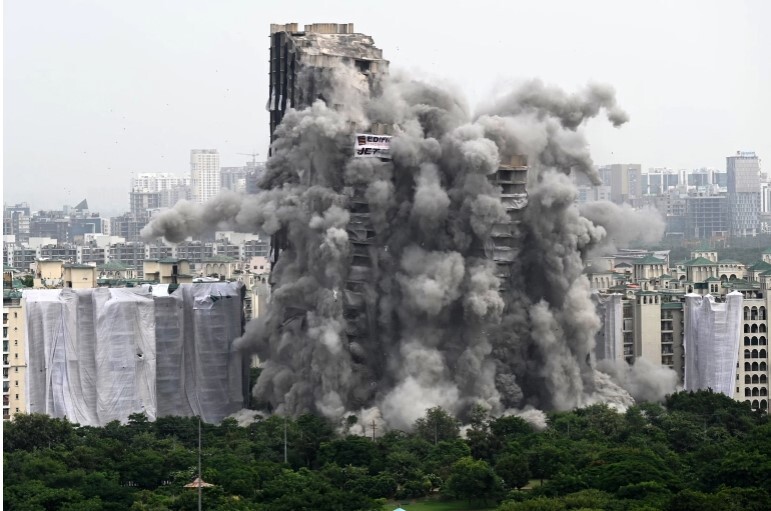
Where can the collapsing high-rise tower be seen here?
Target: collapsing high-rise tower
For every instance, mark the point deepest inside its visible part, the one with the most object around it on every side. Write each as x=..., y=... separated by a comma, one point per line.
x=407, y=272
x=303, y=68
x=504, y=241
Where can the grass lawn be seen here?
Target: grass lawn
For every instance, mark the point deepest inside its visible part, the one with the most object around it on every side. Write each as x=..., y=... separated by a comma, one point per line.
x=434, y=504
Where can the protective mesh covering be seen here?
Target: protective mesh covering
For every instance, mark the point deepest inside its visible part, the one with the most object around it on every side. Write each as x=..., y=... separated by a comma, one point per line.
x=610, y=337
x=711, y=342
x=98, y=355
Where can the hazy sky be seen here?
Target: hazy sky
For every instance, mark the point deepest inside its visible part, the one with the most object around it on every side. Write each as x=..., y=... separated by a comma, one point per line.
x=97, y=90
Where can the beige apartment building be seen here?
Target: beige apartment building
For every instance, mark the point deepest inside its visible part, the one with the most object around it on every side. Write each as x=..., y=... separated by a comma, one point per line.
x=167, y=271
x=14, y=361
x=652, y=324
x=79, y=276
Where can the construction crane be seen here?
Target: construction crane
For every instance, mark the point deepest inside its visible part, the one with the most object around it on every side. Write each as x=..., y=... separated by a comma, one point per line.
x=253, y=155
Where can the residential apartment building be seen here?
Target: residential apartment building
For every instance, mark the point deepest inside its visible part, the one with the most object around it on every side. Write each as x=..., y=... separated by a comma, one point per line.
x=233, y=178
x=204, y=174
x=14, y=361
x=744, y=197
x=625, y=181
x=128, y=226
x=170, y=188
x=653, y=326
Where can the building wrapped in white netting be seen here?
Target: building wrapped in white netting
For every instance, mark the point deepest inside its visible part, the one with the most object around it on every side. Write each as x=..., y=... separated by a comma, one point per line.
x=711, y=342
x=99, y=355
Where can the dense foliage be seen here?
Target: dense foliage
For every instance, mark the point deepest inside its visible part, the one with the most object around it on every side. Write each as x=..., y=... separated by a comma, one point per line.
x=697, y=451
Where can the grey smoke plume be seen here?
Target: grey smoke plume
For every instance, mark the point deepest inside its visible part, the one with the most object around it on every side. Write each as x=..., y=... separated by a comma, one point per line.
x=623, y=224
x=439, y=324
x=643, y=380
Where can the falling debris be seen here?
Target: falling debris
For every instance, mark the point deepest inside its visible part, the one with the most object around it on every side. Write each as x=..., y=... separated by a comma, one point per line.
x=447, y=272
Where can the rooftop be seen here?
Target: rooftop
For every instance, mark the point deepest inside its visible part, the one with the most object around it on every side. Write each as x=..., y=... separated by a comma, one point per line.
x=219, y=259
x=760, y=266
x=112, y=266
x=700, y=261
x=649, y=260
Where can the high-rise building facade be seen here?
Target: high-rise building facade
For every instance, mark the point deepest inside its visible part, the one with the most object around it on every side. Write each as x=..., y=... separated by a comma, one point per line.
x=204, y=174
x=744, y=201
x=300, y=62
x=705, y=217
x=302, y=65
x=233, y=178
x=170, y=188
x=625, y=180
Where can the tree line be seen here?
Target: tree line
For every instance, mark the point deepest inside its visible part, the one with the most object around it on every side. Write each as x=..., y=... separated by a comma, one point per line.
x=697, y=450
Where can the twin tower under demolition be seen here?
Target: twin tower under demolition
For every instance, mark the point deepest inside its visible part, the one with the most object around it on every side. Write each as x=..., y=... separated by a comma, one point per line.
x=304, y=67
x=422, y=255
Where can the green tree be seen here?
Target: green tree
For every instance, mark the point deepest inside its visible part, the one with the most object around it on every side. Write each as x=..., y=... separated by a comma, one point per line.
x=443, y=456
x=437, y=425
x=351, y=450
x=473, y=479
x=513, y=470
x=545, y=460
x=506, y=429
x=48, y=432
x=536, y=504
x=619, y=467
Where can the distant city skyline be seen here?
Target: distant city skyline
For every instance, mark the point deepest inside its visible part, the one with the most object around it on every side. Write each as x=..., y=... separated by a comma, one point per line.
x=97, y=92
